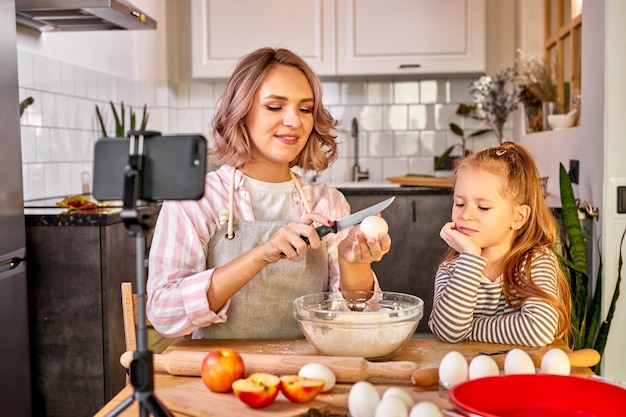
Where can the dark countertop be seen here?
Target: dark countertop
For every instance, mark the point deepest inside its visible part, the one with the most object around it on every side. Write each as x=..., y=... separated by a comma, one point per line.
x=395, y=190
x=45, y=212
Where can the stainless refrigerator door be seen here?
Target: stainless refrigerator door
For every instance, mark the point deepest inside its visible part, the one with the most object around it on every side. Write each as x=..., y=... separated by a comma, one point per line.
x=15, y=381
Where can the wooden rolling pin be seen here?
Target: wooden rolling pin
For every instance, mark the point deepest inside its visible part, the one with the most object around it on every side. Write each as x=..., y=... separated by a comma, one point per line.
x=578, y=358
x=346, y=369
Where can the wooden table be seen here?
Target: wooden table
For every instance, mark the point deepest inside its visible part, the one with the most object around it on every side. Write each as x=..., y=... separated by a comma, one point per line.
x=187, y=396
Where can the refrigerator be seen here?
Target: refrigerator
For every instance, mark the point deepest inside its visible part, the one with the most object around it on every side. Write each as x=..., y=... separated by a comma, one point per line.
x=15, y=378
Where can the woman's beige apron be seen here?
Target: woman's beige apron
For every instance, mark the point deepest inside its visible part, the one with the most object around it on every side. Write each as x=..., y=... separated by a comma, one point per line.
x=263, y=308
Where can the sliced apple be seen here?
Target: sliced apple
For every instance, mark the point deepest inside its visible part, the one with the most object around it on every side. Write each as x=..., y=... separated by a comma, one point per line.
x=299, y=389
x=258, y=389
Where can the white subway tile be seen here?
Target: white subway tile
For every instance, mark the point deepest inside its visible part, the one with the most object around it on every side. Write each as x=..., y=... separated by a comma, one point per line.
x=395, y=117
x=200, y=95
x=68, y=79
x=379, y=92
x=331, y=93
x=29, y=148
x=25, y=69
x=406, y=143
x=353, y=92
x=394, y=167
x=42, y=142
x=380, y=144
x=406, y=92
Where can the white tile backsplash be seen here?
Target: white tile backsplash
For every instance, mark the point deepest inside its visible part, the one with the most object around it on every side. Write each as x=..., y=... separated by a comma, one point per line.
x=403, y=123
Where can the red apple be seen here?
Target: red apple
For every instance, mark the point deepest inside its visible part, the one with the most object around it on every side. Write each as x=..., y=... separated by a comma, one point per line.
x=220, y=368
x=299, y=389
x=258, y=389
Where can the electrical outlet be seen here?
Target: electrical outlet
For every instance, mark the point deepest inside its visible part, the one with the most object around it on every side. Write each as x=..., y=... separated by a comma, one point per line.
x=574, y=170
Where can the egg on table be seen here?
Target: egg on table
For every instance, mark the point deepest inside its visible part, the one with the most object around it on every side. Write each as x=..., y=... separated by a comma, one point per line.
x=425, y=409
x=555, y=361
x=453, y=369
x=481, y=366
x=518, y=361
x=401, y=393
x=319, y=371
x=363, y=399
x=392, y=406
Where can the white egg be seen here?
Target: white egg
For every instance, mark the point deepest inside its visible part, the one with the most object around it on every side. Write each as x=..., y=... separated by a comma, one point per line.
x=517, y=361
x=481, y=366
x=374, y=226
x=363, y=399
x=400, y=392
x=425, y=409
x=555, y=361
x=453, y=369
x=319, y=371
x=392, y=406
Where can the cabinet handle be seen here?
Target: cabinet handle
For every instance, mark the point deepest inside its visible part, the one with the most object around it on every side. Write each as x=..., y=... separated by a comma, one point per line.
x=414, y=209
x=405, y=66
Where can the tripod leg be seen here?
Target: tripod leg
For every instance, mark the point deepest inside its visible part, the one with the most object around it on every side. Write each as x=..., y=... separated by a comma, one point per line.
x=154, y=406
x=121, y=406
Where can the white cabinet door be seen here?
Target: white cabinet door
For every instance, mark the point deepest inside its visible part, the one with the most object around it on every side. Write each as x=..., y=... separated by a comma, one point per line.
x=410, y=37
x=224, y=30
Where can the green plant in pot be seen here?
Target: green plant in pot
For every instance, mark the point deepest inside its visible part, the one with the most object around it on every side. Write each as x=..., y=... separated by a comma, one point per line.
x=589, y=329
x=120, y=120
x=464, y=110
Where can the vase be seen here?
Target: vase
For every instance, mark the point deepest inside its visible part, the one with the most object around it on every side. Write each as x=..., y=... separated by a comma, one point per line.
x=547, y=108
x=533, y=116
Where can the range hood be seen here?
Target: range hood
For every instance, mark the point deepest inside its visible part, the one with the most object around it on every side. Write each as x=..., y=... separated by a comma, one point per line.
x=77, y=15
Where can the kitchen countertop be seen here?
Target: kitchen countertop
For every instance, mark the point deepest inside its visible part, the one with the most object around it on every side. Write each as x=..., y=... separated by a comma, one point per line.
x=187, y=396
x=45, y=212
x=390, y=190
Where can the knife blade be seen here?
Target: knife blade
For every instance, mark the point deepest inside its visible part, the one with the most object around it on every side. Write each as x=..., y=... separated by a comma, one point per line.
x=351, y=220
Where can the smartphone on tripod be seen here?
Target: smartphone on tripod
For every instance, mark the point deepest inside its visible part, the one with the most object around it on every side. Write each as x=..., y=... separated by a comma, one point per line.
x=173, y=167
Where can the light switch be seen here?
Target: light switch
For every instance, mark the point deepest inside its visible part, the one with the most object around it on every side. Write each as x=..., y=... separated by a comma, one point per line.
x=621, y=199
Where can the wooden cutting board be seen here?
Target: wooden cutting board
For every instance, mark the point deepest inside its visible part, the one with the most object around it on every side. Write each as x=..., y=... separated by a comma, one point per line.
x=194, y=399
x=417, y=181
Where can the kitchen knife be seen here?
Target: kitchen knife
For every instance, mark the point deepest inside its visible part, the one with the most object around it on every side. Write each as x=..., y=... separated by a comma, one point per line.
x=351, y=220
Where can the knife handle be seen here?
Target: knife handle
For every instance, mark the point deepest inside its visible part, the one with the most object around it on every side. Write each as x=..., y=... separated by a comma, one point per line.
x=321, y=231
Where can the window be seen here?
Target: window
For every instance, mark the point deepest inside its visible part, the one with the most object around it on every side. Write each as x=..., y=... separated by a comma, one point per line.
x=563, y=34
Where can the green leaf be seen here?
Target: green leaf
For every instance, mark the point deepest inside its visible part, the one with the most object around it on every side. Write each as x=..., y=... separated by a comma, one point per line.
x=456, y=129
x=133, y=119
x=118, y=124
x=479, y=133
x=445, y=155
x=571, y=221
x=102, y=127
x=606, y=324
x=144, y=118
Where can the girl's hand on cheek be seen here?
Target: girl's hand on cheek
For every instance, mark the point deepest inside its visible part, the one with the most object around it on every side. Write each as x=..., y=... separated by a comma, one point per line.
x=457, y=240
x=357, y=248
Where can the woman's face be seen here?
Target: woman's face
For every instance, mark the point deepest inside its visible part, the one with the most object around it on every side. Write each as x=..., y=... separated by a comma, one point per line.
x=280, y=120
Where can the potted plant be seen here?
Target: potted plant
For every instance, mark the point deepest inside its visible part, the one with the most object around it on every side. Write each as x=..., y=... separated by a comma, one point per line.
x=589, y=329
x=446, y=158
x=537, y=90
x=120, y=120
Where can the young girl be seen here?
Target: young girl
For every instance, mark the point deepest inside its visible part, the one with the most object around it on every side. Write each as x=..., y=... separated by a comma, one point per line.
x=230, y=264
x=500, y=281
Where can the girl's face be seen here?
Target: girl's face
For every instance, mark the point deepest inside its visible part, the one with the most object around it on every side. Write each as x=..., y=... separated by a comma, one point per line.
x=481, y=212
x=280, y=120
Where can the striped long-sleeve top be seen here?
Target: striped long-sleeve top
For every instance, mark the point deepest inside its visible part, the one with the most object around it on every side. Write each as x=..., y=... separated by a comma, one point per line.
x=468, y=305
x=178, y=278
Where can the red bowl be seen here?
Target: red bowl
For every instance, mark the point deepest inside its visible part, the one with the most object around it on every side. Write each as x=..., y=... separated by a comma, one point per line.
x=538, y=395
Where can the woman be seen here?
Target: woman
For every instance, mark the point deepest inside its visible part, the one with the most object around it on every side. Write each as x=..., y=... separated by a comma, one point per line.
x=231, y=264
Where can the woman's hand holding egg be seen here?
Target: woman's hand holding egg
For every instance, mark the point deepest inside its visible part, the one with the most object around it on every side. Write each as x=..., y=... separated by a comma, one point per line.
x=374, y=226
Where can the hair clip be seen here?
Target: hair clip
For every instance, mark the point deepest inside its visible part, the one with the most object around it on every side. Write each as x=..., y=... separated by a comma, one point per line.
x=500, y=151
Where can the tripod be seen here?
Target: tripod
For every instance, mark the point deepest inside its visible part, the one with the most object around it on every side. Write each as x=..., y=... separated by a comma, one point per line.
x=142, y=365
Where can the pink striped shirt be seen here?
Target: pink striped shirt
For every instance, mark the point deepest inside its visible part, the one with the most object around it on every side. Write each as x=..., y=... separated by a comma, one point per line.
x=178, y=279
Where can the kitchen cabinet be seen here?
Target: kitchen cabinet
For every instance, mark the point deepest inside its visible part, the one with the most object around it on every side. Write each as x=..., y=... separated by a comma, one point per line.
x=223, y=31
x=76, y=263
x=415, y=219
x=411, y=37
x=346, y=37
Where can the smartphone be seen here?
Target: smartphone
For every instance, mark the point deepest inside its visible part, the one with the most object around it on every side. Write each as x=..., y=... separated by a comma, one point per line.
x=174, y=167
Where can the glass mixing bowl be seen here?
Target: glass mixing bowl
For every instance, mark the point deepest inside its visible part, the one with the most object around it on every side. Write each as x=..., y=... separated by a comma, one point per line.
x=369, y=324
